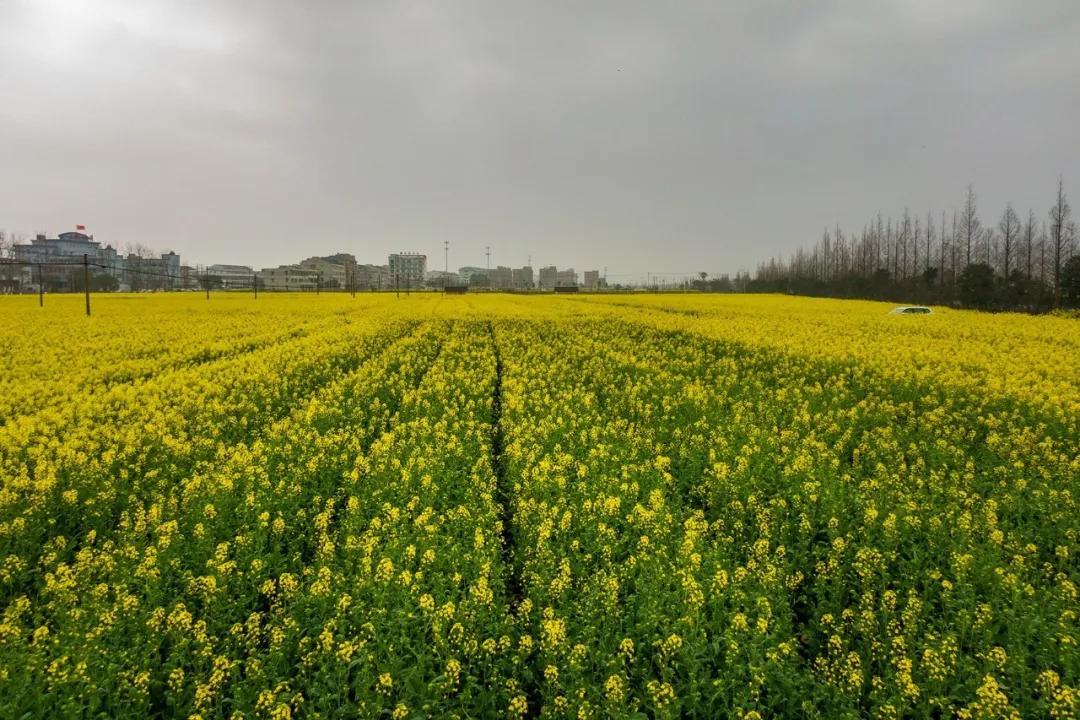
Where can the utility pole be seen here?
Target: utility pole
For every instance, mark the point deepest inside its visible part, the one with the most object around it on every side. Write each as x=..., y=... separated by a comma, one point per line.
x=40, y=287
x=86, y=280
x=318, y=283
x=255, y=285
x=487, y=251
x=206, y=281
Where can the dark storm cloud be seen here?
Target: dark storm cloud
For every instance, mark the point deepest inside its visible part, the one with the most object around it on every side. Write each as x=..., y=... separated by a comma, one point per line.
x=637, y=136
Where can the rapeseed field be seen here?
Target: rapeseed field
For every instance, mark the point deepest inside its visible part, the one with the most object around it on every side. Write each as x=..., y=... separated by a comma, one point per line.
x=638, y=506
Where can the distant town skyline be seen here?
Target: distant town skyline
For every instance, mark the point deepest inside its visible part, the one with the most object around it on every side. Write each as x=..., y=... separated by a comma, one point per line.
x=685, y=137
x=25, y=239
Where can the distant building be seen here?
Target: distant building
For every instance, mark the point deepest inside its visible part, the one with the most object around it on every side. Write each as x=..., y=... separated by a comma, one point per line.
x=441, y=278
x=549, y=277
x=189, y=278
x=16, y=277
x=373, y=277
x=592, y=279
x=523, y=278
x=232, y=277
x=566, y=278
x=59, y=255
x=408, y=268
x=288, y=278
x=346, y=260
x=149, y=273
x=502, y=278
x=466, y=273
x=330, y=275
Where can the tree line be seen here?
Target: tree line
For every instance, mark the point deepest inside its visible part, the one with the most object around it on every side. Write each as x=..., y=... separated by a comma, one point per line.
x=1021, y=263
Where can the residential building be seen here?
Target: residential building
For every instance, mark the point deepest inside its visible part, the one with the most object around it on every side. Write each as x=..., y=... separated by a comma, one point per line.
x=522, y=278
x=408, y=268
x=592, y=279
x=566, y=278
x=502, y=278
x=289, y=278
x=231, y=277
x=549, y=277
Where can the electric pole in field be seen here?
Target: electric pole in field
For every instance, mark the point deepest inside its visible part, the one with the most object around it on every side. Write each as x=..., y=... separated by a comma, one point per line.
x=487, y=252
x=86, y=280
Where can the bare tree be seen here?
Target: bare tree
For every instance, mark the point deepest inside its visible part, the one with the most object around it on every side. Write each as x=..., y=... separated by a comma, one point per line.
x=915, y=249
x=1029, y=242
x=139, y=250
x=1043, y=242
x=903, y=240
x=955, y=251
x=944, y=246
x=1010, y=230
x=929, y=239
x=969, y=224
x=1060, y=237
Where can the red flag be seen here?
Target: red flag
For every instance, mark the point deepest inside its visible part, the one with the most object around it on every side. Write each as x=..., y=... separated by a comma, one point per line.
x=80, y=227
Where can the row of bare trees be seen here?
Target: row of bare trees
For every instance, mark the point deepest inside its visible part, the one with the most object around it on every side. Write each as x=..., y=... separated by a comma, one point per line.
x=1019, y=263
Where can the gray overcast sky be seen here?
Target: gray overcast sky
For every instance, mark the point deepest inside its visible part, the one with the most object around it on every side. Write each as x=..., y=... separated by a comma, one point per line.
x=633, y=135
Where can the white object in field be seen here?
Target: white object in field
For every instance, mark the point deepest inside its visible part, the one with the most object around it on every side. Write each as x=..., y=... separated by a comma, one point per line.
x=910, y=310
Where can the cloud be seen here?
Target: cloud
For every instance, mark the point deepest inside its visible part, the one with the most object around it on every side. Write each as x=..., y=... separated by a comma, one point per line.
x=683, y=137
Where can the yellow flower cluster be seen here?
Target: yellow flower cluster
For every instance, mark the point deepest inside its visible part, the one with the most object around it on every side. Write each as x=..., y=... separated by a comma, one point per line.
x=492, y=506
